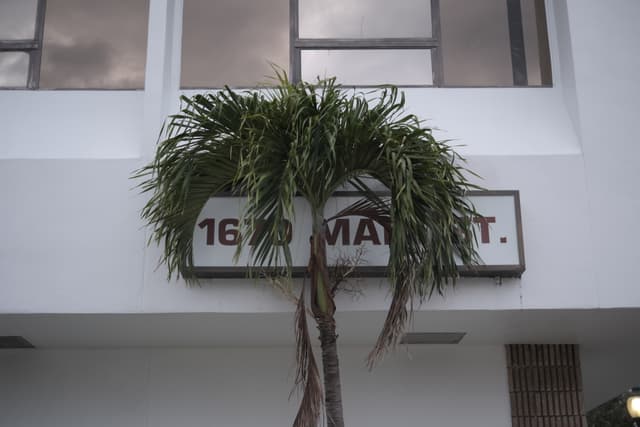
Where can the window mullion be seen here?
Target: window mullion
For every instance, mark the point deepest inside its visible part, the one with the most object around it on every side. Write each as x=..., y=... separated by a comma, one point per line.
x=294, y=34
x=378, y=43
x=35, y=56
x=543, y=43
x=516, y=38
x=436, y=52
x=18, y=45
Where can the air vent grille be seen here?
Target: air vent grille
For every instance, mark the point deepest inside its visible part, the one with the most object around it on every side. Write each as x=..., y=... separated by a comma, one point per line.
x=432, y=338
x=14, y=342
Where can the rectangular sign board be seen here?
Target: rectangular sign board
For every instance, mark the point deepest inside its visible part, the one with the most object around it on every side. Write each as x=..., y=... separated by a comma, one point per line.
x=498, y=231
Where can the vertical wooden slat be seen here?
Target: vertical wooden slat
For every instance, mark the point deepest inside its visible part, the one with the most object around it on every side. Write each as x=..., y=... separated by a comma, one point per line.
x=543, y=384
x=545, y=388
x=536, y=369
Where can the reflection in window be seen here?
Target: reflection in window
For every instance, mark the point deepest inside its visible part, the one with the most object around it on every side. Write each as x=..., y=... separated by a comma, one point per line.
x=536, y=42
x=14, y=69
x=20, y=35
x=18, y=19
x=477, y=46
x=475, y=43
x=233, y=42
x=369, y=67
x=94, y=44
x=364, y=18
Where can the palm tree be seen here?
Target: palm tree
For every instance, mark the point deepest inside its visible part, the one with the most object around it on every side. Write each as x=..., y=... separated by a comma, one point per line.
x=309, y=140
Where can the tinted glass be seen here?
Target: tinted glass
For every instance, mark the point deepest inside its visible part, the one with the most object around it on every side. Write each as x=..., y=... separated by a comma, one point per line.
x=536, y=43
x=17, y=19
x=233, y=42
x=94, y=44
x=14, y=69
x=475, y=43
x=364, y=18
x=369, y=67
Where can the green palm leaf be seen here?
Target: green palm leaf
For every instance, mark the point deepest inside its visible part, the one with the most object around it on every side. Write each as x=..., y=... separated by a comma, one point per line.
x=310, y=140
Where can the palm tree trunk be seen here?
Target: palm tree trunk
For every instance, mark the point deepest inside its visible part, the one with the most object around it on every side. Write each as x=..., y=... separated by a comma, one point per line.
x=323, y=308
x=331, y=370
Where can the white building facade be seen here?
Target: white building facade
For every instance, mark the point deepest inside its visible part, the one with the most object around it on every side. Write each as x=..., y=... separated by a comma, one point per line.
x=118, y=344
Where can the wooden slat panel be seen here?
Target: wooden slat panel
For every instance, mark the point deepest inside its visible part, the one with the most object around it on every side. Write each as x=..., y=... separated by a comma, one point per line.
x=545, y=385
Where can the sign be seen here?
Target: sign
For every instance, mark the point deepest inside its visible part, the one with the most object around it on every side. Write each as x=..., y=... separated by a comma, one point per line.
x=499, y=235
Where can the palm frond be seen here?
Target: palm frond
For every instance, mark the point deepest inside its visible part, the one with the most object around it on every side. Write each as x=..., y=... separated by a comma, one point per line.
x=310, y=140
x=307, y=374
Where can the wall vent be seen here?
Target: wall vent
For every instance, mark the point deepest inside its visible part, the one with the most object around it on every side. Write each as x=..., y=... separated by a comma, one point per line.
x=14, y=342
x=432, y=338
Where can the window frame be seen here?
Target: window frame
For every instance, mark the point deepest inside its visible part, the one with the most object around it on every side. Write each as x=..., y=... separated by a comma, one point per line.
x=297, y=44
x=32, y=47
x=433, y=43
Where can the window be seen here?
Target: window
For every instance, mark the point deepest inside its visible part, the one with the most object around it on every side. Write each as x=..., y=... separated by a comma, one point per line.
x=73, y=44
x=365, y=42
x=20, y=42
x=443, y=43
x=233, y=42
x=494, y=43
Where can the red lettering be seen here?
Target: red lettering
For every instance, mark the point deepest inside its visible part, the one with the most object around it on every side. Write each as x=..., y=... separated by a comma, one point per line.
x=484, y=222
x=228, y=236
x=210, y=225
x=367, y=225
x=341, y=227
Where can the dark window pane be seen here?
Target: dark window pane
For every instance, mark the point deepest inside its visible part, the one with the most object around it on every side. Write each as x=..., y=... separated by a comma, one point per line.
x=14, y=69
x=17, y=19
x=94, y=44
x=369, y=67
x=364, y=18
x=531, y=42
x=536, y=42
x=233, y=42
x=475, y=43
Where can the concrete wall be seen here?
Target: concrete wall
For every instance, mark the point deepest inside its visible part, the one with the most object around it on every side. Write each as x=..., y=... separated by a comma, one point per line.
x=443, y=386
x=606, y=72
x=73, y=241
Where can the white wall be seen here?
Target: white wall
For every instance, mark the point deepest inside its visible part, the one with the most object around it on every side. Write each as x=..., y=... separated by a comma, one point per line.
x=71, y=124
x=606, y=54
x=72, y=241
x=441, y=386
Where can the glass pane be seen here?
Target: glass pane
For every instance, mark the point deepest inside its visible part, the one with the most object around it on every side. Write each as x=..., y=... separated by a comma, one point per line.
x=364, y=18
x=475, y=43
x=94, y=44
x=369, y=67
x=17, y=19
x=536, y=43
x=233, y=42
x=14, y=69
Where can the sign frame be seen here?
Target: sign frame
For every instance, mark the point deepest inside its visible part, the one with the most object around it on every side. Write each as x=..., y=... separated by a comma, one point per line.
x=501, y=271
